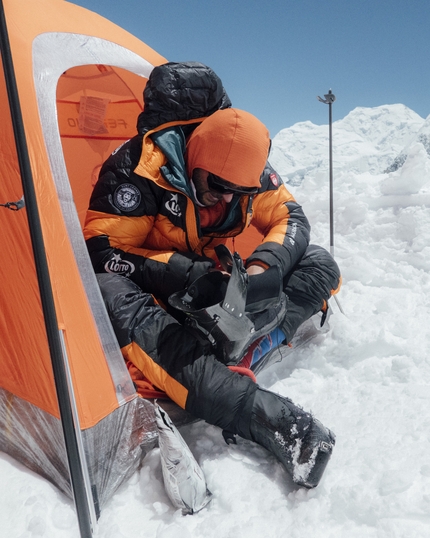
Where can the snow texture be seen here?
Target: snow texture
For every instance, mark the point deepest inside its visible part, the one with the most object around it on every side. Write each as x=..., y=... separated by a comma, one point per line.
x=368, y=378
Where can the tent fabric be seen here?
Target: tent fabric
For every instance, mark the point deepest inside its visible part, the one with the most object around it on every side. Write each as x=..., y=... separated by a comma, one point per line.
x=84, y=153
x=114, y=447
x=80, y=81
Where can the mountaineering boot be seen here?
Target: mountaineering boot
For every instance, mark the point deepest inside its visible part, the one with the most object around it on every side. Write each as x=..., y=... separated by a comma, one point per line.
x=296, y=314
x=261, y=348
x=262, y=352
x=298, y=440
x=231, y=314
x=263, y=323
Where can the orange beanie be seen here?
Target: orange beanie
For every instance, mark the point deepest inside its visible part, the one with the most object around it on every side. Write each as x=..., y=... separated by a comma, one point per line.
x=232, y=144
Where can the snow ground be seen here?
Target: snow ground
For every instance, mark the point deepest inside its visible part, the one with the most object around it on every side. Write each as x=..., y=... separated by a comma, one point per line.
x=368, y=379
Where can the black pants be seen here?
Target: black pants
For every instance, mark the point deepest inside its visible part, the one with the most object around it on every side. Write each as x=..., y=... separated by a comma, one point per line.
x=180, y=364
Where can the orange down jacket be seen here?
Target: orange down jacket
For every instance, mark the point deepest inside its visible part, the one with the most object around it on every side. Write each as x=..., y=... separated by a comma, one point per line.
x=143, y=221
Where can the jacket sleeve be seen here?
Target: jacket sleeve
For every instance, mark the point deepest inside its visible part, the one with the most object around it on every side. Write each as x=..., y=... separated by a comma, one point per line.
x=282, y=222
x=121, y=214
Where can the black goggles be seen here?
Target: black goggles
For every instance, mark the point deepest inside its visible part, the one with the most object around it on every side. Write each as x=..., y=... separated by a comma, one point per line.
x=224, y=187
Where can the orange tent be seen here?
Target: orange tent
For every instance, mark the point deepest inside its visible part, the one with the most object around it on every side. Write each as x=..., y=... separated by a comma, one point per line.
x=78, y=83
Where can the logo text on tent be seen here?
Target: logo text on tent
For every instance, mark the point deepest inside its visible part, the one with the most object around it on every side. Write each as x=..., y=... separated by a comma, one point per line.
x=119, y=266
x=110, y=123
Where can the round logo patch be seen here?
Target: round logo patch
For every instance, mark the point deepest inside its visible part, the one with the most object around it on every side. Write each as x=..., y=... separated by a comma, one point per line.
x=127, y=197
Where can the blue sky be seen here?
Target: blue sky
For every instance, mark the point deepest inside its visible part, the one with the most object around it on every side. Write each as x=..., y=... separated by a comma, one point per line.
x=275, y=57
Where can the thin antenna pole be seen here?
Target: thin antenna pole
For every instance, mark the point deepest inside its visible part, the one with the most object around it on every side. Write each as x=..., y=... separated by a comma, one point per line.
x=330, y=98
x=330, y=136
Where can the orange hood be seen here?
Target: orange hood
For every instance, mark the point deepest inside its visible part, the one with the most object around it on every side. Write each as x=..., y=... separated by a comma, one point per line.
x=232, y=144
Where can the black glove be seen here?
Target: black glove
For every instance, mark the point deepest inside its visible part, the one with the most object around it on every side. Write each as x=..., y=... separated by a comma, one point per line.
x=190, y=266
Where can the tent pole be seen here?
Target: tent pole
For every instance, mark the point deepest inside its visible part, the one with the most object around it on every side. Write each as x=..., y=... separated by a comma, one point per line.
x=94, y=514
x=46, y=294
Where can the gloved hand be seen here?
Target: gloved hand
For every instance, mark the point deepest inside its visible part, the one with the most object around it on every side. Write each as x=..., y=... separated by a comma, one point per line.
x=199, y=268
x=190, y=266
x=264, y=289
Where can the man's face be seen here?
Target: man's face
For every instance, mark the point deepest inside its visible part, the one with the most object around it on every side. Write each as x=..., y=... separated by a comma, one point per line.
x=205, y=195
x=211, y=189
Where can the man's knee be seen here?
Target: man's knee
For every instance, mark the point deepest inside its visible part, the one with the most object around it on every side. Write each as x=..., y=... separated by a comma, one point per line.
x=134, y=314
x=322, y=260
x=314, y=279
x=137, y=317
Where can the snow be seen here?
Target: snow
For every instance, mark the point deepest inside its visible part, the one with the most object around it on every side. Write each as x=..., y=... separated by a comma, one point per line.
x=368, y=378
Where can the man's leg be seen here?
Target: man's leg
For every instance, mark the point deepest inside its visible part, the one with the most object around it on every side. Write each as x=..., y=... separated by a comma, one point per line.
x=180, y=363
x=309, y=287
x=172, y=357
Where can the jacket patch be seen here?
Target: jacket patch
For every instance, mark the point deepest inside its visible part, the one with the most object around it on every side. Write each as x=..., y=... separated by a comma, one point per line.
x=274, y=179
x=127, y=197
x=173, y=206
x=118, y=266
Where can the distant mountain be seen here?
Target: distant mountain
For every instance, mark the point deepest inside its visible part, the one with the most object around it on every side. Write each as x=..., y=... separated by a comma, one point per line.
x=376, y=140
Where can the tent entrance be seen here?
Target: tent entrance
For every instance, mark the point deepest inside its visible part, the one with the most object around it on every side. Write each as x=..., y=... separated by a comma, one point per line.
x=97, y=107
x=89, y=93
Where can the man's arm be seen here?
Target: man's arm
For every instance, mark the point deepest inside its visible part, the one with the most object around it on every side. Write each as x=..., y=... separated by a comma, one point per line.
x=123, y=208
x=282, y=222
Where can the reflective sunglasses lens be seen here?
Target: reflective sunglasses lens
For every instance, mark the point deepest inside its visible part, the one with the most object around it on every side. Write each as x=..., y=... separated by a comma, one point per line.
x=216, y=184
x=218, y=187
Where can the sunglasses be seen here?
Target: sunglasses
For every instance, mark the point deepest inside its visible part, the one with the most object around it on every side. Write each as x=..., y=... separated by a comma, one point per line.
x=217, y=184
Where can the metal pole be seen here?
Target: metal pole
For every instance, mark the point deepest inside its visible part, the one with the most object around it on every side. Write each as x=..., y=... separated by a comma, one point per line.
x=330, y=98
x=331, y=178
x=44, y=281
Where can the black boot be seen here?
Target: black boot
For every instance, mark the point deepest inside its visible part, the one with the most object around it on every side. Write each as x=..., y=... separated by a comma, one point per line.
x=232, y=312
x=296, y=315
x=299, y=441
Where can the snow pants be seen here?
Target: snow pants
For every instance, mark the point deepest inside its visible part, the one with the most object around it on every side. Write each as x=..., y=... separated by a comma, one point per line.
x=177, y=362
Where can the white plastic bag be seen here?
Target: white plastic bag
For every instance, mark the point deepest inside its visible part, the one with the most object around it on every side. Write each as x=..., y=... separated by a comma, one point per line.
x=183, y=478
